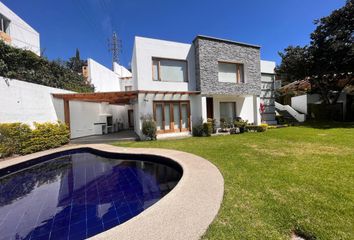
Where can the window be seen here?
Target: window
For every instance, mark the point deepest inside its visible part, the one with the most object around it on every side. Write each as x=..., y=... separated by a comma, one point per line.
x=228, y=111
x=230, y=72
x=169, y=70
x=172, y=116
x=4, y=24
x=128, y=88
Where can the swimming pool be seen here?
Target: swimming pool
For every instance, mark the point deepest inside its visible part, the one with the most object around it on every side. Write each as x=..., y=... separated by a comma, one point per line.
x=79, y=193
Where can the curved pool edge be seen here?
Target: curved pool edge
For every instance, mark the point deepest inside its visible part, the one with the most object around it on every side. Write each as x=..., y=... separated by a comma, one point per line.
x=184, y=213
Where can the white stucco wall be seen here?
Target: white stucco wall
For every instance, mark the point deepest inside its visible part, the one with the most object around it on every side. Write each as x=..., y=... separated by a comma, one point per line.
x=22, y=35
x=247, y=107
x=267, y=66
x=84, y=115
x=27, y=102
x=104, y=79
x=145, y=49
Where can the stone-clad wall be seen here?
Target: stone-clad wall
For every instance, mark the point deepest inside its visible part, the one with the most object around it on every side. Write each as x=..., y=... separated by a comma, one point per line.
x=209, y=52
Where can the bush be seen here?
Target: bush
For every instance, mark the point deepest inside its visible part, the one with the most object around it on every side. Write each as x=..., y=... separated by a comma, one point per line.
x=18, y=138
x=213, y=123
x=202, y=129
x=12, y=136
x=149, y=128
x=257, y=128
x=45, y=136
x=198, y=130
x=207, y=129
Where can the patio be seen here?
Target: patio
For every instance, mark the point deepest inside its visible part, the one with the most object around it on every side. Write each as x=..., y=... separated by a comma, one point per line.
x=125, y=135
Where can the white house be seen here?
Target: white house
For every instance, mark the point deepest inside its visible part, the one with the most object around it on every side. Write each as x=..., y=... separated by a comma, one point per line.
x=16, y=32
x=182, y=84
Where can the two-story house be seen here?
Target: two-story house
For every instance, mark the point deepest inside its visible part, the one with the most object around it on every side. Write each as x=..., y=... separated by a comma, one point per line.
x=182, y=84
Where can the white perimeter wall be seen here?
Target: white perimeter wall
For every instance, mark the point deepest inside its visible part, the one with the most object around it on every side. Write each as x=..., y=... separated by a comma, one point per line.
x=300, y=103
x=145, y=49
x=27, y=102
x=22, y=34
x=104, y=79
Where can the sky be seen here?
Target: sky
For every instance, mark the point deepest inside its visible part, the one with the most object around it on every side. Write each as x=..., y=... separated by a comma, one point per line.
x=65, y=25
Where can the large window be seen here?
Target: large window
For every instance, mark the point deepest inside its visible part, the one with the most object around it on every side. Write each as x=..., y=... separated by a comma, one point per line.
x=230, y=72
x=227, y=111
x=169, y=70
x=172, y=116
x=4, y=24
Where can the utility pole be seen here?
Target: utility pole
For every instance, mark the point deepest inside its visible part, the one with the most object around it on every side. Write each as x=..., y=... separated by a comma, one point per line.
x=115, y=47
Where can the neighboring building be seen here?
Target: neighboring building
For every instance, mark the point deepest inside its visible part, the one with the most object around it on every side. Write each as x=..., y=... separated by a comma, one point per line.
x=267, y=93
x=179, y=85
x=16, y=32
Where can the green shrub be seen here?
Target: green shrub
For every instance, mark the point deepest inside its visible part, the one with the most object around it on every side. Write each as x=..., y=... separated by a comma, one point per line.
x=45, y=136
x=25, y=65
x=213, y=124
x=18, y=138
x=198, y=130
x=257, y=128
x=12, y=136
x=149, y=128
x=207, y=129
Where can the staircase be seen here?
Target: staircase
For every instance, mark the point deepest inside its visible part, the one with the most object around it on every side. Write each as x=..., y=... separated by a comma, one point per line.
x=290, y=113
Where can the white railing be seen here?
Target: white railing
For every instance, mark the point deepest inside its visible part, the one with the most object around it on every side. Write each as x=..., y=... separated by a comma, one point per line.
x=298, y=116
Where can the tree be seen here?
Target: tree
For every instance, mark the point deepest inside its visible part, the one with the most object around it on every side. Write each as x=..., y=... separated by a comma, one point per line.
x=75, y=63
x=328, y=61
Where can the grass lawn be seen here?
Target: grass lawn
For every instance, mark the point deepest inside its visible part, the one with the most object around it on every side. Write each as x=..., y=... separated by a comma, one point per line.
x=296, y=178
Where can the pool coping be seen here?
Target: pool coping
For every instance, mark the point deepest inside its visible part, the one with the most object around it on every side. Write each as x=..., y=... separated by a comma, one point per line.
x=184, y=213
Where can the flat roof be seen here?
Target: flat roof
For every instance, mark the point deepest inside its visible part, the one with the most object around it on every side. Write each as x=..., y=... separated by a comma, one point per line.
x=225, y=41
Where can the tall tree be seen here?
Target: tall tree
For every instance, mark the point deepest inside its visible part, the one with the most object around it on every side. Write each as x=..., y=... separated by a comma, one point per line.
x=328, y=61
x=75, y=63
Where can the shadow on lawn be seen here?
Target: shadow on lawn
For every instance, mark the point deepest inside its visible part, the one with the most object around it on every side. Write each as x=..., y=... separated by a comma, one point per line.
x=328, y=124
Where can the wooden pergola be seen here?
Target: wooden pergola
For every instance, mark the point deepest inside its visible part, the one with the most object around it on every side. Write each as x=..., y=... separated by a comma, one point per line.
x=119, y=98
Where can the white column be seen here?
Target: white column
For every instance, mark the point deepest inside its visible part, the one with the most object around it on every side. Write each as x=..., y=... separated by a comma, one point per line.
x=204, y=109
x=256, y=112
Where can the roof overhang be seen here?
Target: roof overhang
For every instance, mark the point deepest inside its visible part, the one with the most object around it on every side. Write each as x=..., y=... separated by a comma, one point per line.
x=125, y=97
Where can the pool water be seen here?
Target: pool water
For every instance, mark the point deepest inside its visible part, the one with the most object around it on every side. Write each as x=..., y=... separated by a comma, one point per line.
x=78, y=195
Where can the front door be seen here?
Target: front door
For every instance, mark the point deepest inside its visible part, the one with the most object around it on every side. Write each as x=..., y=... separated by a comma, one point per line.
x=131, y=118
x=210, y=107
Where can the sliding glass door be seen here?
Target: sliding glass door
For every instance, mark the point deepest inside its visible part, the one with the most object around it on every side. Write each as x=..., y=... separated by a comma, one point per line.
x=172, y=116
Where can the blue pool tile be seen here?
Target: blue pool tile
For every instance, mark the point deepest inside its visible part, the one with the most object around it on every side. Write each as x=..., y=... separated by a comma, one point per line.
x=110, y=224
x=41, y=237
x=94, y=195
x=93, y=222
x=91, y=231
x=78, y=227
x=59, y=234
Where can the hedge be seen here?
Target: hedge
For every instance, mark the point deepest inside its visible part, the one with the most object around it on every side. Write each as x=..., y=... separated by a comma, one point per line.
x=16, y=63
x=257, y=128
x=19, y=138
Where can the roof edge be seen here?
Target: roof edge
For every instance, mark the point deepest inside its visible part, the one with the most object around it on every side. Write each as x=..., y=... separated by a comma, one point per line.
x=225, y=41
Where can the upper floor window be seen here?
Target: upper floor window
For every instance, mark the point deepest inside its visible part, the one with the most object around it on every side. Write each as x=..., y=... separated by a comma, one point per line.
x=169, y=70
x=231, y=72
x=4, y=24
x=128, y=88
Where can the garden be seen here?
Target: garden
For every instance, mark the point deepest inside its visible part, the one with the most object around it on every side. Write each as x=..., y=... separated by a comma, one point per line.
x=280, y=182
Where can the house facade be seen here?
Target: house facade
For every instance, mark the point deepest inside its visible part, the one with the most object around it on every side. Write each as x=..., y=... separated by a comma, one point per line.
x=16, y=32
x=180, y=84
